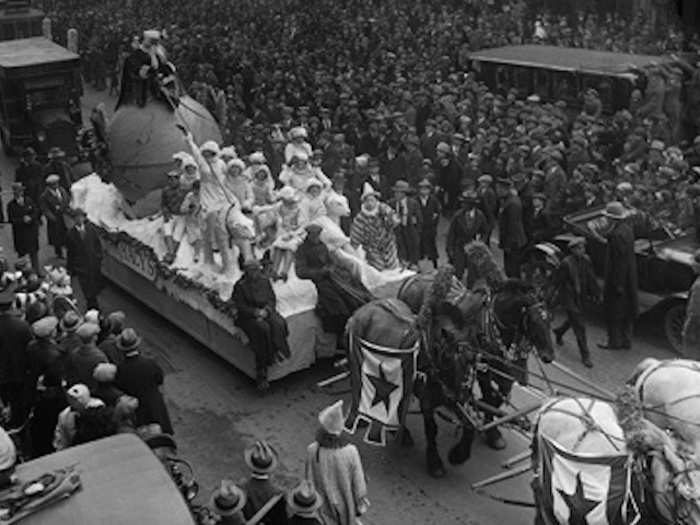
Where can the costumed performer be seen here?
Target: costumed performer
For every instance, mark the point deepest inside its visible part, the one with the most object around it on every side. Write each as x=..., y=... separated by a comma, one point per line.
x=339, y=292
x=266, y=329
x=213, y=200
x=373, y=230
x=228, y=153
x=173, y=221
x=148, y=73
x=312, y=204
x=255, y=160
x=290, y=230
x=264, y=214
x=238, y=186
x=298, y=144
x=191, y=208
x=298, y=172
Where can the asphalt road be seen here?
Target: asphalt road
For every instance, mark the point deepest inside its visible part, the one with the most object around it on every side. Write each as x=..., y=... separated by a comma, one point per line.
x=217, y=412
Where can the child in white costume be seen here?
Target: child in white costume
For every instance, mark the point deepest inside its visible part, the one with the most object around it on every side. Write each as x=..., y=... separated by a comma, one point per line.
x=290, y=232
x=191, y=209
x=297, y=144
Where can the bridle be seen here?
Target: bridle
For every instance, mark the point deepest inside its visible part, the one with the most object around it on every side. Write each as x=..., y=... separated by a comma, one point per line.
x=499, y=332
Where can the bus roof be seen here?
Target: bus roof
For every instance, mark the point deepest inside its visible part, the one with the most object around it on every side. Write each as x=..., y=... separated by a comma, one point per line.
x=32, y=51
x=566, y=58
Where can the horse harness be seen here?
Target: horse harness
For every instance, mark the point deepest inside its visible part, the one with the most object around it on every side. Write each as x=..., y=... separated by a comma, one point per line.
x=493, y=330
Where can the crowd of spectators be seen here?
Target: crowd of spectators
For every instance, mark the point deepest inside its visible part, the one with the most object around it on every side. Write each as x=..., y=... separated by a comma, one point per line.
x=388, y=81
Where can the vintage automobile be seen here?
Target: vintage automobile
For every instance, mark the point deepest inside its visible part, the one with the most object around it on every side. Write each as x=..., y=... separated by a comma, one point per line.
x=40, y=90
x=664, y=261
x=561, y=73
x=121, y=481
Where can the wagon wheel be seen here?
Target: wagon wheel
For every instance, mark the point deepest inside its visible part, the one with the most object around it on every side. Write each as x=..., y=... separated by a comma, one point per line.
x=674, y=319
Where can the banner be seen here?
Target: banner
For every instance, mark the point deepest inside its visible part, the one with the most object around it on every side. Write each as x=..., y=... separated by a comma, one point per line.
x=382, y=384
x=585, y=489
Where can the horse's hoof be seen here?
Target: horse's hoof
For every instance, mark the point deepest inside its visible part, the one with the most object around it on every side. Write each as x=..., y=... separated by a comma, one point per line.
x=494, y=439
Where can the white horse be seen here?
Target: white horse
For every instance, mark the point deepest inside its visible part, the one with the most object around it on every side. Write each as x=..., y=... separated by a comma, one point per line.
x=587, y=433
x=669, y=391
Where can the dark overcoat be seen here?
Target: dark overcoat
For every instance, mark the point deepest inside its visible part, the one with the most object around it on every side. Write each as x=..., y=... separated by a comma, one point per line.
x=54, y=205
x=511, y=232
x=14, y=338
x=575, y=283
x=463, y=229
x=141, y=377
x=430, y=213
x=267, y=336
x=339, y=293
x=620, y=286
x=85, y=259
x=25, y=235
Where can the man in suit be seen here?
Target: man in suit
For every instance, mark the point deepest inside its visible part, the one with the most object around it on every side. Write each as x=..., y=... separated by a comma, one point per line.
x=54, y=203
x=410, y=224
x=620, y=282
x=511, y=234
x=575, y=285
x=57, y=165
x=85, y=258
x=29, y=173
x=14, y=338
x=430, y=213
x=141, y=377
x=488, y=204
x=25, y=217
x=430, y=140
x=467, y=225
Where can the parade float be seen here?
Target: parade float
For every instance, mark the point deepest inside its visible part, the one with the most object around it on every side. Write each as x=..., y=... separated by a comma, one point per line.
x=194, y=294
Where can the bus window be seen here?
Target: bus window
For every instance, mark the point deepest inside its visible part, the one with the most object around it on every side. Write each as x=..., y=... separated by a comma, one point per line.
x=542, y=83
x=523, y=80
x=564, y=86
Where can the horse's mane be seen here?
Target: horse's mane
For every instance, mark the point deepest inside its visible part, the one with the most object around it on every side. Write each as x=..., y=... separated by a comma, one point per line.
x=482, y=265
x=640, y=434
x=436, y=296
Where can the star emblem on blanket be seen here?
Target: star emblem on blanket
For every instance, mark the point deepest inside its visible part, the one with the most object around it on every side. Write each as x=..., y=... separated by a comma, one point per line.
x=579, y=506
x=383, y=388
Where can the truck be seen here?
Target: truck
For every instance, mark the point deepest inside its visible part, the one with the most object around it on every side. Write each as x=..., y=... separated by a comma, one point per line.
x=40, y=90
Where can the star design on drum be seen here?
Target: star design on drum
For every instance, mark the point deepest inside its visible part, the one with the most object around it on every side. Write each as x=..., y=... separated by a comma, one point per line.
x=579, y=506
x=383, y=388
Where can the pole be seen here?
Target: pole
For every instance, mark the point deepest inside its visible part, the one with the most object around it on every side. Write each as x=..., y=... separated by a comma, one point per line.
x=510, y=417
x=332, y=380
x=583, y=380
x=516, y=459
x=501, y=477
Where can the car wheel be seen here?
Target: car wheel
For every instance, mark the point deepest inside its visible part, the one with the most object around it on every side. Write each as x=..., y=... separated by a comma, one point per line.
x=674, y=318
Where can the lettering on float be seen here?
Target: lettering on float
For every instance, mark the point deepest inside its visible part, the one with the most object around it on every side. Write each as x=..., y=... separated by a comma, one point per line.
x=136, y=258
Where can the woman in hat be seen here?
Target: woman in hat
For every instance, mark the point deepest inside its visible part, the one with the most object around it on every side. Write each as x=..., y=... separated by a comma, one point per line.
x=290, y=231
x=312, y=205
x=238, y=185
x=334, y=468
x=191, y=208
x=55, y=204
x=373, y=230
x=303, y=502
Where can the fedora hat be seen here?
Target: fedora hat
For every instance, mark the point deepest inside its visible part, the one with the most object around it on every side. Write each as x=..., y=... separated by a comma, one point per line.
x=425, y=183
x=128, y=340
x=303, y=500
x=615, y=210
x=261, y=458
x=70, y=321
x=228, y=499
x=402, y=186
